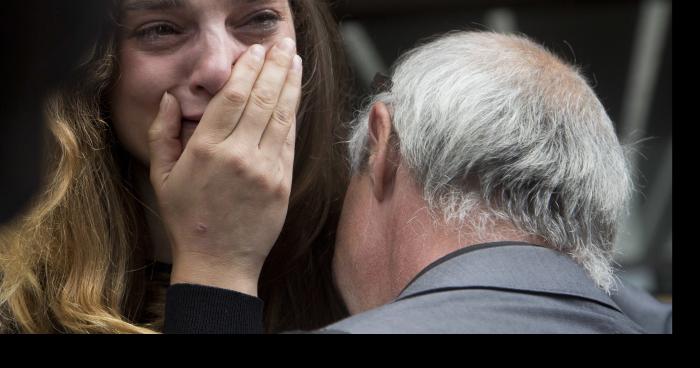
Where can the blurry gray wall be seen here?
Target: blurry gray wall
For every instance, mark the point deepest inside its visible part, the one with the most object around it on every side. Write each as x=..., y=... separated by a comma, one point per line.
x=623, y=48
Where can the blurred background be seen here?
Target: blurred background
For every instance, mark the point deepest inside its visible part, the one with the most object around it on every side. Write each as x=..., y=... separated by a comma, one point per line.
x=623, y=47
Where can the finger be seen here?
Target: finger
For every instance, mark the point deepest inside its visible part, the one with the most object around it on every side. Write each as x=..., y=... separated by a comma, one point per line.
x=284, y=113
x=225, y=109
x=164, y=143
x=265, y=95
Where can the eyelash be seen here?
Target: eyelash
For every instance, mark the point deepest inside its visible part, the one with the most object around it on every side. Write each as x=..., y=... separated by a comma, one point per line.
x=153, y=32
x=266, y=21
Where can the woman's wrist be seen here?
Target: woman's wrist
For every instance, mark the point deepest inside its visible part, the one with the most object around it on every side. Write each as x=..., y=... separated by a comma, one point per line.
x=236, y=276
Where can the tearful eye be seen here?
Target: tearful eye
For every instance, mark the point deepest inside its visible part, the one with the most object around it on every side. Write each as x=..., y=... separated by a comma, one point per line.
x=266, y=20
x=156, y=32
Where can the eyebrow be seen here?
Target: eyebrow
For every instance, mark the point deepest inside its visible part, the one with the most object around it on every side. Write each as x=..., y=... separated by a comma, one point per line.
x=137, y=5
x=153, y=5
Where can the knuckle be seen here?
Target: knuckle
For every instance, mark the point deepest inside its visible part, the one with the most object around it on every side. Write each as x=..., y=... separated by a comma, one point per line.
x=281, y=192
x=235, y=97
x=238, y=163
x=280, y=58
x=201, y=151
x=265, y=98
x=251, y=65
x=153, y=134
x=290, y=143
x=283, y=116
x=261, y=181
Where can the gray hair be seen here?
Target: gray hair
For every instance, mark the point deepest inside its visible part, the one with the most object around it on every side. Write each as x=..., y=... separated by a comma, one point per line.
x=495, y=126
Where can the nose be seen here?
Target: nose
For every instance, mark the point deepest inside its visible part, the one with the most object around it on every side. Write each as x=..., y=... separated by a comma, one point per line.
x=217, y=53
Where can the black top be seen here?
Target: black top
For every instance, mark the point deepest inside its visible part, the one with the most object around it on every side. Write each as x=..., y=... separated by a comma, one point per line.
x=209, y=310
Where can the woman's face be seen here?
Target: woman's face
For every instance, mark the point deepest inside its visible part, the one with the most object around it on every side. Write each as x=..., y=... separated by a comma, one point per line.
x=187, y=48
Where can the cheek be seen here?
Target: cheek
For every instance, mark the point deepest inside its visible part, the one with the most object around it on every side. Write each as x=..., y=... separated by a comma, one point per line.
x=289, y=31
x=136, y=98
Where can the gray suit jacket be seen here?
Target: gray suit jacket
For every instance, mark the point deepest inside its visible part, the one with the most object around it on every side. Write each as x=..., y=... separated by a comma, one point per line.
x=504, y=287
x=654, y=316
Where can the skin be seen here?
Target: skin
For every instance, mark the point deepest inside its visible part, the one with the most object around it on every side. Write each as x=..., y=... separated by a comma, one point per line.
x=219, y=140
x=189, y=52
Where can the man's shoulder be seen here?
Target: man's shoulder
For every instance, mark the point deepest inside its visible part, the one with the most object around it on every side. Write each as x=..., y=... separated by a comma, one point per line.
x=475, y=310
x=497, y=288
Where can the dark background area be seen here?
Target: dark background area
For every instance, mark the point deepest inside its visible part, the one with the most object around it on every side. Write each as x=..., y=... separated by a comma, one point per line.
x=41, y=42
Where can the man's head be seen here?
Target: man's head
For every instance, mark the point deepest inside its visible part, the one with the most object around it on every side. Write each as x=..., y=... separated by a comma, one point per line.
x=489, y=134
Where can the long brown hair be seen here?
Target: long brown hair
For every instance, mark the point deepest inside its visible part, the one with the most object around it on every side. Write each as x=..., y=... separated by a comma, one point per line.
x=74, y=261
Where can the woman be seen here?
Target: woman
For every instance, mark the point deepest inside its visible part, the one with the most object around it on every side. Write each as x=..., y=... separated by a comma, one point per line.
x=81, y=259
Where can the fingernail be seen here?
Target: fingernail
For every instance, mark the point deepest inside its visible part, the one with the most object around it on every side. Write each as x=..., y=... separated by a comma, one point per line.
x=258, y=51
x=287, y=45
x=164, y=100
x=297, y=64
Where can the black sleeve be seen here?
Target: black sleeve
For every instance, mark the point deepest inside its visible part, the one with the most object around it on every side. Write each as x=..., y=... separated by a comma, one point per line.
x=198, y=309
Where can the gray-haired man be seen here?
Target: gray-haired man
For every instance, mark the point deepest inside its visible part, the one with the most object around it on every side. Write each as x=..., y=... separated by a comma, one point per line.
x=487, y=188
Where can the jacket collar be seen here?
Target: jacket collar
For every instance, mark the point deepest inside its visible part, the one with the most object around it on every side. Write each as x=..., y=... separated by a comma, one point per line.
x=508, y=266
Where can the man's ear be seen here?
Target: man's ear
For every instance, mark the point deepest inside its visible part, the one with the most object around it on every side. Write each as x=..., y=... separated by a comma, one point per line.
x=384, y=158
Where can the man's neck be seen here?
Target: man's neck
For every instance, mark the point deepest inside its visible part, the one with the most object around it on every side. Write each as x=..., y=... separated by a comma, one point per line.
x=420, y=239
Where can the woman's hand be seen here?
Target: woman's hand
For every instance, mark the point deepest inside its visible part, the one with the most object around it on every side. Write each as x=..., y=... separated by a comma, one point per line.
x=224, y=198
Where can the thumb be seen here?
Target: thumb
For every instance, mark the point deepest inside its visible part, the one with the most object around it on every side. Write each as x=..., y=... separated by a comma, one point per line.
x=164, y=143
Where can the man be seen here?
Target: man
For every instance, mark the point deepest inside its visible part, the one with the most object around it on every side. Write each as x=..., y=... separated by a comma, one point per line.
x=487, y=188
